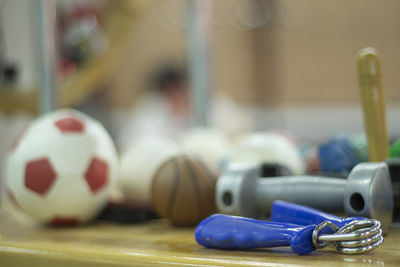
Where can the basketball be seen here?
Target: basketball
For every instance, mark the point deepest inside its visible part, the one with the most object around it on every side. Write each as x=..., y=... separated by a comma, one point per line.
x=183, y=190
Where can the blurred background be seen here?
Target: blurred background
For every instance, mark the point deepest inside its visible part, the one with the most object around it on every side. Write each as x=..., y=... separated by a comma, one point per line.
x=146, y=67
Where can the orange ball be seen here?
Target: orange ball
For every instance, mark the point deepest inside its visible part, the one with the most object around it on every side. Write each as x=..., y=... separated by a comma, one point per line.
x=183, y=190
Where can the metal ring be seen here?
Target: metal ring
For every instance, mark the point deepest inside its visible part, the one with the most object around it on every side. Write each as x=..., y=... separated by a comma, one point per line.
x=315, y=235
x=356, y=237
x=361, y=236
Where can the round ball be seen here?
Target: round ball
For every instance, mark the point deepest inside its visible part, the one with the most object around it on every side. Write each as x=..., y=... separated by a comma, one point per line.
x=270, y=147
x=208, y=143
x=183, y=190
x=62, y=169
x=139, y=164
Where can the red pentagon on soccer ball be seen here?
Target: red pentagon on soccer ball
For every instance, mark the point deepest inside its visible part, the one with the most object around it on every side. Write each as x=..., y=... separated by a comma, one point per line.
x=39, y=176
x=97, y=174
x=70, y=125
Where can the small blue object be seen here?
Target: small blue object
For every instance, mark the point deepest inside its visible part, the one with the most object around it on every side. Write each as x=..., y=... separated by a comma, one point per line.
x=337, y=156
x=232, y=232
x=286, y=212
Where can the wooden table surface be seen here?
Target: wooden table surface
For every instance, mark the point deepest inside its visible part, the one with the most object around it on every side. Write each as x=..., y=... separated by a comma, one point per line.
x=157, y=243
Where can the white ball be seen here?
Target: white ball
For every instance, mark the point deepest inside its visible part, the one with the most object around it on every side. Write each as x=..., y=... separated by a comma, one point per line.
x=209, y=143
x=270, y=147
x=62, y=169
x=139, y=164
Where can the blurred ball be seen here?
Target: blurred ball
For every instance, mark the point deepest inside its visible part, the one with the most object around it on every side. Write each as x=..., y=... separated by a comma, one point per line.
x=209, y=143
x=139, y=164
x=337, y=156
x=270, y=147
x=183, y=190
x=359, y=146
x=312, y=161
x=62, y=169
x=394, y=149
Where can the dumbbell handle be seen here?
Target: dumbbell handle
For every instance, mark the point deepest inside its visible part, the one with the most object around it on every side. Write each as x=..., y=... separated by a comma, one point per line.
x=318, y=192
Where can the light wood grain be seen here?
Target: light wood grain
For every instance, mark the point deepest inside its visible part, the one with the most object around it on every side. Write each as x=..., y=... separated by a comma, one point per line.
x=157, y=243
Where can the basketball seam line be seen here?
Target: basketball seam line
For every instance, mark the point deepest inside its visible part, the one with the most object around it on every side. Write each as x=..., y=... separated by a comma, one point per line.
x=174, y=191
x=196, y=187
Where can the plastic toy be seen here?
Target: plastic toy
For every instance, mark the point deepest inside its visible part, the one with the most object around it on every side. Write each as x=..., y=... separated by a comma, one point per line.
x=62, y=169
x=183, y=190
x=244, y=190
x=373, y=103
x=283, y=211
x=232, y=232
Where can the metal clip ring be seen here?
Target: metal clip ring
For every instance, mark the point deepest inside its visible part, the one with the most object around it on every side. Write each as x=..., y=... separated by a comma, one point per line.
x=356, y=237
x=315, y=235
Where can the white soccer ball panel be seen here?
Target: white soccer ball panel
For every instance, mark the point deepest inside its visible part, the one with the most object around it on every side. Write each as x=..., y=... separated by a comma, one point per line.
x=64, y=206
x=139, y=164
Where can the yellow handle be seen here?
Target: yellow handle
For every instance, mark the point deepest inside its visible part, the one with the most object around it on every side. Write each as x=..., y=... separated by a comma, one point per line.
x=373, y=104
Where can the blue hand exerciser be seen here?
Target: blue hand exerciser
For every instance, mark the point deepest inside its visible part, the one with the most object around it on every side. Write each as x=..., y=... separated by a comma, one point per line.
x=283, y=211
x=303, y=229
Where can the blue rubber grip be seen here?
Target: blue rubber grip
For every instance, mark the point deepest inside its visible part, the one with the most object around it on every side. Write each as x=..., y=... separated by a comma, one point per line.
x=282, y=211
x=233, y=232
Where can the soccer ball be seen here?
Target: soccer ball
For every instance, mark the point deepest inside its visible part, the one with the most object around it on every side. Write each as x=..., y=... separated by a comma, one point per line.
x=62, y=169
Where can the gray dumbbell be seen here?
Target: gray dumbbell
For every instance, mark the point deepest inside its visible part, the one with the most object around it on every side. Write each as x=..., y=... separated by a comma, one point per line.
x=367, y=192
x=394, y=170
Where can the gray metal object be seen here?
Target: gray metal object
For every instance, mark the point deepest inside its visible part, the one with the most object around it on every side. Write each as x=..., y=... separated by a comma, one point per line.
x=357, y=237
x=45, y=29
x=199, y=13
x=367, y=192
x=394, y=169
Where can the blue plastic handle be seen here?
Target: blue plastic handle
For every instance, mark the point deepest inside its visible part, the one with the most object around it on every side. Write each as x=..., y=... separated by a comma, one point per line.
x=232, y=232
x=292, y=213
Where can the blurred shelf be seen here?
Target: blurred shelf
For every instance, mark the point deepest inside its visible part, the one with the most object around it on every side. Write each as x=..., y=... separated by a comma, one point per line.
x=97, y=71
x=157, y=243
